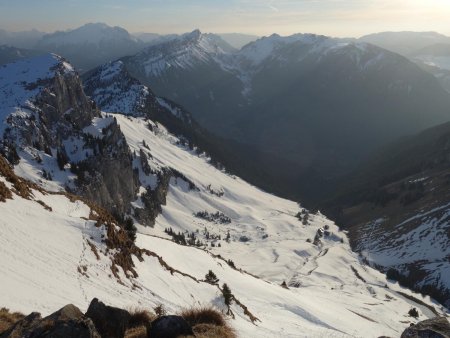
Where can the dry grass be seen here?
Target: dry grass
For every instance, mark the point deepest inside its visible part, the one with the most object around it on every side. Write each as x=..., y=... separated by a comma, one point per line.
x=21, y=186
x=213, y=331
x=93, y=249
x=203, y=315
x=208, y=322
x=5, y=193
x=8, y=319
x=140, y=317
x=136, y=332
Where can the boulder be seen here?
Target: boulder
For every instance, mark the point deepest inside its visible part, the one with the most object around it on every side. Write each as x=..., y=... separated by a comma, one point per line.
x=23, y=326
x=169, y=327
x=438, y=327
x=68, y=322
x=110, y=321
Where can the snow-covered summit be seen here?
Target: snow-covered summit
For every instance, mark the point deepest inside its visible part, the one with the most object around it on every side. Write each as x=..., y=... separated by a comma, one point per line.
x=256, y=52
x=183, y=52
x=106, y=83
x=115, y=90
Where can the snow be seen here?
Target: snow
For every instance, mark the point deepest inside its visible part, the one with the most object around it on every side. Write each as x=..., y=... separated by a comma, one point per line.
x=43, y=253
x=174, y=110
x=181, y=52
x=19, y=83
x=117, y=92
x=442, y=62
x=425, y=243
x=97, y=126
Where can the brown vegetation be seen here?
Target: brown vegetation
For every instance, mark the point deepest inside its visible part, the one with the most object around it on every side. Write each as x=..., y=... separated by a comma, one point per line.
x=8, y=319
x=5, y=193
x=21, y=186
x=136, y=332
x=208, y=322
x=140, y=317
x=93, y=249
x=203, y=315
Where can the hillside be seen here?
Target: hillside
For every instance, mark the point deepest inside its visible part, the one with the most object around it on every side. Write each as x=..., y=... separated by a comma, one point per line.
x=320, y=103
x=10, y=54
x=429, y=50
x=56, y=251
x=396, y=209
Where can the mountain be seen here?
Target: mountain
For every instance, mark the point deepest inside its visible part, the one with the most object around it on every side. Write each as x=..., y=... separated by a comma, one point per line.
x=25, y=39
x=59, y=248
x=113, y=89
x=431, y=51
x=436, y=60
x=10, y=54
x=147, y=37
x=72, y=144
x=396, y=207
x=238, y=40
x=90, y=45
x=319, y=102
x=405, y=43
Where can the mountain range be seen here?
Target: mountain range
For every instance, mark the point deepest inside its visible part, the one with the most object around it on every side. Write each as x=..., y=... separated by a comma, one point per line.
x=320, y=103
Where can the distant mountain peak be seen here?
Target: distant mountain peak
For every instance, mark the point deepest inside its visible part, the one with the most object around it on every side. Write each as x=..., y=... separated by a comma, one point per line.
x=194, y=35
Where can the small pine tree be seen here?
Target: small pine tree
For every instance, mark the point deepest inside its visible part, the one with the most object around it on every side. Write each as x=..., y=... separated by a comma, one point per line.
x=227, y=296
x=61, y=158
x=231, y=264
x=130, y=228
x=413, y=313
x=211, y=277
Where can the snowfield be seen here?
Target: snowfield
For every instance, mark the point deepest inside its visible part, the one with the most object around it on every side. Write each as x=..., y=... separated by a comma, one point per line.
x=52, y=253
x=42, y=252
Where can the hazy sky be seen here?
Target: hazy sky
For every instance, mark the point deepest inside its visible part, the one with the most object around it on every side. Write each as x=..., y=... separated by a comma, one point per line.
x=261, y=17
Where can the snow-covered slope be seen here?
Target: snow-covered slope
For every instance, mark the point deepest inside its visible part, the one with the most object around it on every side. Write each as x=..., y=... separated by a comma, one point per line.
x=183, y=52
x=46, y=260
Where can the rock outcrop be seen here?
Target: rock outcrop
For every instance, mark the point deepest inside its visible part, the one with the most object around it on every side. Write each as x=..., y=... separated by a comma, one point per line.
x=68, y=322
x=47, y=113
x=169, y=327
x=110, y=321
x=438, y=327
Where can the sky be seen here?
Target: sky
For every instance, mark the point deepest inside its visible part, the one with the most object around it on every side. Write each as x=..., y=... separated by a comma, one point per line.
x=341, y=18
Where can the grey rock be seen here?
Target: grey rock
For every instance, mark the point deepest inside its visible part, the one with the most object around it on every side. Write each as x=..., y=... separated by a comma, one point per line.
x=68, y=322
x=169, y=327
x=110, y=321
x=438, y=327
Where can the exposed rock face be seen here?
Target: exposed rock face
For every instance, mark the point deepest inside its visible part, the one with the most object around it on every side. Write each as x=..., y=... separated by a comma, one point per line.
x=51, y=113
x=108, y=177
x=154, y=199
x=110, y=321
x=68, y=322
x=169, y=327
x=438, y=327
